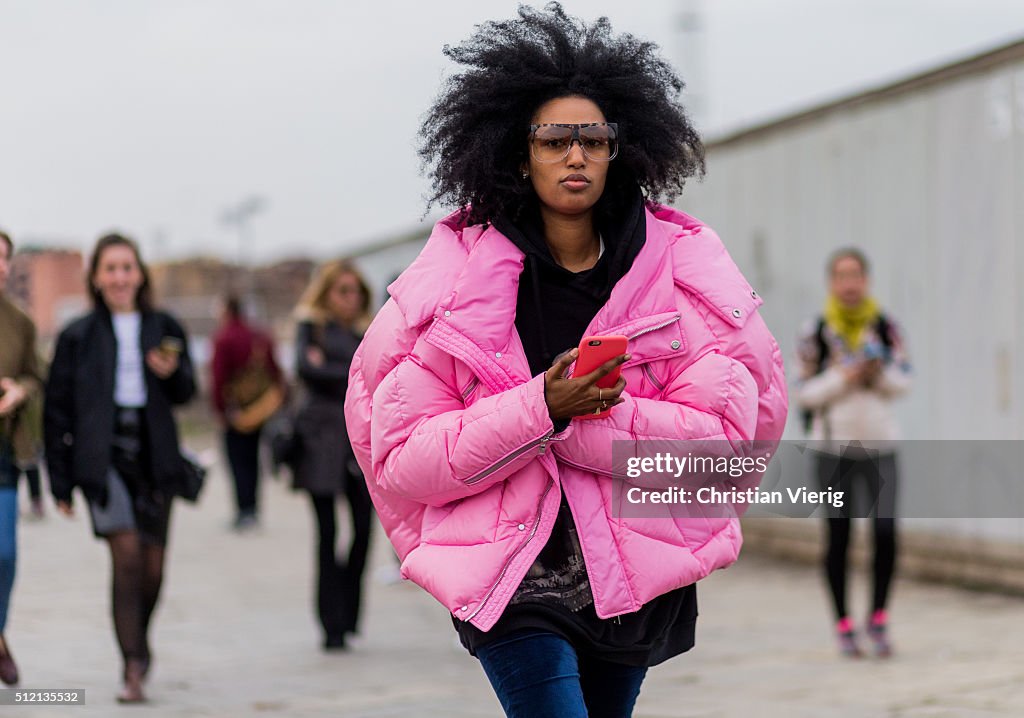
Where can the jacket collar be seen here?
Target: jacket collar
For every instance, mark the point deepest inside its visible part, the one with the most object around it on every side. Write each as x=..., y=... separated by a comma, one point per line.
x=475, y=320
x=466, y=279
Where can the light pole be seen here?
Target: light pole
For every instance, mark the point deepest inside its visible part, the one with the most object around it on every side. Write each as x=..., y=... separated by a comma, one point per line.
x=238, y=216
x=691, y=37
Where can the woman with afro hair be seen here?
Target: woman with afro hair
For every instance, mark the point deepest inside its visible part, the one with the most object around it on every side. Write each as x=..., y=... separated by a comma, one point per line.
x=553, y=144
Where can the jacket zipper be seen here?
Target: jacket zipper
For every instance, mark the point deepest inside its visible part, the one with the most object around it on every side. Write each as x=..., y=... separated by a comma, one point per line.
x=586, y=468
x=469, y=389
x=617, y=619
x=504, y=569
x=548, y=440
x=649, y=373
x=541, y=441
x=655, y=328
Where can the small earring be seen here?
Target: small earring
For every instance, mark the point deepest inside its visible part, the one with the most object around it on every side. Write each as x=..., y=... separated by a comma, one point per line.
x=526, y=174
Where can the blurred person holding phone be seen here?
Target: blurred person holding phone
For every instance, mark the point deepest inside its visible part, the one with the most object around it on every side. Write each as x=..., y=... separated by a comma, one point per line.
x=109, y=430
x=332, y=315
x=853, y=365
x=20, y=381
x=553, y=143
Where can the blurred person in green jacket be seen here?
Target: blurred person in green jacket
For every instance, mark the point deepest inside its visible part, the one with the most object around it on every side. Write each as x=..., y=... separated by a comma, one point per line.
x=20, y=380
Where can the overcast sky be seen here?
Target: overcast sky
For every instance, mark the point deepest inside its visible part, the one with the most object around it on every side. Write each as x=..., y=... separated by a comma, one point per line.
x=156, y=117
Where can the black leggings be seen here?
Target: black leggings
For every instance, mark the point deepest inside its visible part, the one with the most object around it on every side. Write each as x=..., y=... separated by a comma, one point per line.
x=879, y=477
x=339, y=583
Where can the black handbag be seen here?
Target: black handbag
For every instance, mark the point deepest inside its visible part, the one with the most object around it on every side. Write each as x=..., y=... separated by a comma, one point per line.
x=285, y=443
x=193, y=474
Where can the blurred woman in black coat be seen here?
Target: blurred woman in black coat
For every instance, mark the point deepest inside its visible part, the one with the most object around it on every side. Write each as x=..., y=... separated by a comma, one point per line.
x=332, y=314
x=109, y=431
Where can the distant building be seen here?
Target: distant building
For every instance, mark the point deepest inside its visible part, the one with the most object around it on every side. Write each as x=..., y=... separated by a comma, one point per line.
x=50, y=285
x=382, y=261
x=276, y=289
x=191, y=289
x=194, y=290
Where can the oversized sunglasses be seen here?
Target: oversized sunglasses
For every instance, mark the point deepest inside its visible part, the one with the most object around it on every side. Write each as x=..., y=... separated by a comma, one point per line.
x=551, y=142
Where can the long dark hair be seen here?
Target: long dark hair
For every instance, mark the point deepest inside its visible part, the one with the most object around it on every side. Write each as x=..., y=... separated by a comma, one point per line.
x=144, y=297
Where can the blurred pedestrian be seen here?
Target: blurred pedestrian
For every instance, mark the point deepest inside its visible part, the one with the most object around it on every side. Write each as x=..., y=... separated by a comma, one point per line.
x=20, y=380
x=333, y=314
x=853, y=364
x=247, y=389
x=497, y=498
x=109, y=430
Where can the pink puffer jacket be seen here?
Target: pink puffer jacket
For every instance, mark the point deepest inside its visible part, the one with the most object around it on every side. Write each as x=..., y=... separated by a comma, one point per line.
x=454, y=437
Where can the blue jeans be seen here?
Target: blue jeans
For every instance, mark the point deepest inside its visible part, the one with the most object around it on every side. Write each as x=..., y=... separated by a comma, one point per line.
x=8, y=530
x=537, y=674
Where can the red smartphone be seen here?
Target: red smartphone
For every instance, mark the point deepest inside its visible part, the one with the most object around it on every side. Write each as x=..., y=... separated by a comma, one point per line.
x=595, y=351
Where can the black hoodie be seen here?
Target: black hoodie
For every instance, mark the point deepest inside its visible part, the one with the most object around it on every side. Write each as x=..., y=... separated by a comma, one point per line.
x=554, y=305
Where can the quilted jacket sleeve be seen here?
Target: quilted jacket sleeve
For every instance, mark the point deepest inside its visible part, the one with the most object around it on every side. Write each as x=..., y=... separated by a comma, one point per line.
x=428, y=448
x=411, y=431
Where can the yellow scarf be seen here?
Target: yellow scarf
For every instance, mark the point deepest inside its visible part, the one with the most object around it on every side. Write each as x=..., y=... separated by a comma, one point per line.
x=850, y=322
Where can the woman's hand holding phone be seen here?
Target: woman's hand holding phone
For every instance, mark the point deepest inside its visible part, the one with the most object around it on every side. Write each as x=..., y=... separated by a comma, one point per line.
x=580, y=396
x=163, y=359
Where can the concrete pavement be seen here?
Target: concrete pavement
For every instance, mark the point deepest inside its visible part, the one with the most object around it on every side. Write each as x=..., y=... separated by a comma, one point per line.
x=236, y=635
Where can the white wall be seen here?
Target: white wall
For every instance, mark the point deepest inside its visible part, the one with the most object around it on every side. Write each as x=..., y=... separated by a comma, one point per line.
x=380, y=267
x=931, y=185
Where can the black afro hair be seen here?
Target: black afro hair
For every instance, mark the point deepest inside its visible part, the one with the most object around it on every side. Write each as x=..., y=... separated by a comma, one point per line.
x=474, y=137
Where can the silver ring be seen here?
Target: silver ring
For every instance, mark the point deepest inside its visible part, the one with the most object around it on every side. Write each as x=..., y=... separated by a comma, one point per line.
x=600, y=394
